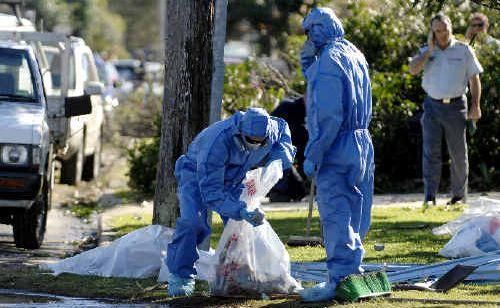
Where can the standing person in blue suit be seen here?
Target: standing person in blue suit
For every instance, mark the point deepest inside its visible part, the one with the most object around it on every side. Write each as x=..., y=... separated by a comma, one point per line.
x=339, y=152
x=210, y=176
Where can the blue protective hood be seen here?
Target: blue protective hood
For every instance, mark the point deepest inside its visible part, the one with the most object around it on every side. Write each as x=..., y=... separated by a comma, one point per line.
x=322, y=26
x=255, y=122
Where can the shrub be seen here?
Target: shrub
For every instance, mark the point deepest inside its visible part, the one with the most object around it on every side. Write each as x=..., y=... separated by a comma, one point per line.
x=388, y=38
x=251, y=83
x=484, y=145
x=142, y=159
x=135, y=117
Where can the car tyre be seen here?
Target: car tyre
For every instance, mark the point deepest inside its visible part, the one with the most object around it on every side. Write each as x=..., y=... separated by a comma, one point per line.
x=29, y=225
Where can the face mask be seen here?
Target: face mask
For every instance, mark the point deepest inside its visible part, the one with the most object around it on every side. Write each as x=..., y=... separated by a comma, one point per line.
x=249, y=145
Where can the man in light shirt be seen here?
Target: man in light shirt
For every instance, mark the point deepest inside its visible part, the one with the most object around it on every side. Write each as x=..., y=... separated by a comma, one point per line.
x=448, y=67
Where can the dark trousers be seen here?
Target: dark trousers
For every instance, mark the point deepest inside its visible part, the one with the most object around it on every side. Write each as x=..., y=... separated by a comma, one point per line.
x=449, y=120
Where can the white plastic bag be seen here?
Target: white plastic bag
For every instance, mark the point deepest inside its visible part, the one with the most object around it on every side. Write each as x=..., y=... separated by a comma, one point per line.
x=135, y=255
x=253, y=260
x=482, y=207
x=477, y=237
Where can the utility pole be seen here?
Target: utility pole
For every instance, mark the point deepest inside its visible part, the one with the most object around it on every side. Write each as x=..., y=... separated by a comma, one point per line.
x=219, y=40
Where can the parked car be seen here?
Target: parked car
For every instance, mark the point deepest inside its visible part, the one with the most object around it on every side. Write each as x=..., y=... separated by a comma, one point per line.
x=108, y=75
x=237, y=52
x=79, y=139
x=131, y=73
x=12, y=23
x=26, y=144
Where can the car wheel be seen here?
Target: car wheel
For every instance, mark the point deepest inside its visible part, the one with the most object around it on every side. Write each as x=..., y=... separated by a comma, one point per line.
x=29, y=225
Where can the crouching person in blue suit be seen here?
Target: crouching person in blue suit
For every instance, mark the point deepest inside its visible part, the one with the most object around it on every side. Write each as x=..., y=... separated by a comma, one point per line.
x=210, y=177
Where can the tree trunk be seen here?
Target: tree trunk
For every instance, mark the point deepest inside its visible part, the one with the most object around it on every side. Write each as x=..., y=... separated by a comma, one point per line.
x=186, y=102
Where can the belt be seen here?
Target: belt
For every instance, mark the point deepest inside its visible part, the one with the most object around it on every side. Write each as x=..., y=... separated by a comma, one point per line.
x=446, y=100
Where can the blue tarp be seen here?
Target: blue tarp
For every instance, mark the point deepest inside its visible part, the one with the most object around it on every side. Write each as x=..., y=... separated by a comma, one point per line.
x=487, y=272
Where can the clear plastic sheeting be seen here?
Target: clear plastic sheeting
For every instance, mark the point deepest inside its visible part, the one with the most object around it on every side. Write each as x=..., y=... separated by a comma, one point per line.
x=135, y=255
x=253, y=260
x=482, y=207
x=248, y=260
x=475, y=233
x=477, y=237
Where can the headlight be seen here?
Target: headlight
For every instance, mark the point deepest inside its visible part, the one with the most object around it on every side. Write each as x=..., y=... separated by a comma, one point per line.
x=16, y=155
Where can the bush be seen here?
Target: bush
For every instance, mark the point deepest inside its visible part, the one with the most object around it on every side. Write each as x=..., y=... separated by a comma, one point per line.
x=136, y=116
x=484, y=145
x=388, y=38
x=142, y=159
x=251, y=83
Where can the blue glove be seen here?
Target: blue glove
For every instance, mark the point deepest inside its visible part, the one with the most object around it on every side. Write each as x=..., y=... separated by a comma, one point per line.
x=307, y=55
x=178, y=286
x=309, y=168
x=255, y=218
x=308, y=49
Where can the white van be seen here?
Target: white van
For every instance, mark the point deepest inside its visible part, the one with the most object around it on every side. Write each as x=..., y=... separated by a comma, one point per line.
x=26, y=146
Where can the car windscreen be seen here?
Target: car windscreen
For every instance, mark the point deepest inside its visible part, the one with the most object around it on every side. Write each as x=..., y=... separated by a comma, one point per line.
x=54, y=58
x=16, y=79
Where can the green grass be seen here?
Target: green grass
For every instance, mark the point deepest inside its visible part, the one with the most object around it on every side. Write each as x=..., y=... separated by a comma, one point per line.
x=83, y=209
x=127, y=223
x=33, y=279
x=405, y=232
x=128, y=195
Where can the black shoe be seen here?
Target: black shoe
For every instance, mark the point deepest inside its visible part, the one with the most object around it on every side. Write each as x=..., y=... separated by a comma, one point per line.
x=430, y=200
x=454, y=200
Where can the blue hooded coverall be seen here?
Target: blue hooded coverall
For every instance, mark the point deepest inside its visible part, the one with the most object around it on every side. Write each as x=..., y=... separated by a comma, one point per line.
x=338, y=112
x=210, y=175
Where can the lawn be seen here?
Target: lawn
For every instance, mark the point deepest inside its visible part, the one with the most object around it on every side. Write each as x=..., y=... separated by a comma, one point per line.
x=406, y=234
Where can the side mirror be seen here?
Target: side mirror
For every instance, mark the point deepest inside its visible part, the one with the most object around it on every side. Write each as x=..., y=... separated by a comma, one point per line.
x=76, y=106
x=94, y=88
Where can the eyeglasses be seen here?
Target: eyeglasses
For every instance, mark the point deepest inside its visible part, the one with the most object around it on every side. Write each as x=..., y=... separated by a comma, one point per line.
x=477, y=25
x=254, y=141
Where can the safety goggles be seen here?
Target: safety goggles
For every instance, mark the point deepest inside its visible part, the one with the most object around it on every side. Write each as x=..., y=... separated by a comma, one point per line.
x=254, y=141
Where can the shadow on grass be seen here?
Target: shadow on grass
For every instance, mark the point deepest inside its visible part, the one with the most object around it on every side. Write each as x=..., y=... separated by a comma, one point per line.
x=482, y=290
x=205, y=301
x=127, y=228
x=420, y=257
x=297, y=303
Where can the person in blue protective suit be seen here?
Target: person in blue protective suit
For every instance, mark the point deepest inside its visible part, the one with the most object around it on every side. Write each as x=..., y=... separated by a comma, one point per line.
x=339, y=152
x=210, y=176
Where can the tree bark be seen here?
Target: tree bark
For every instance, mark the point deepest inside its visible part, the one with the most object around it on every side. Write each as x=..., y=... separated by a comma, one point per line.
x=186, y=101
